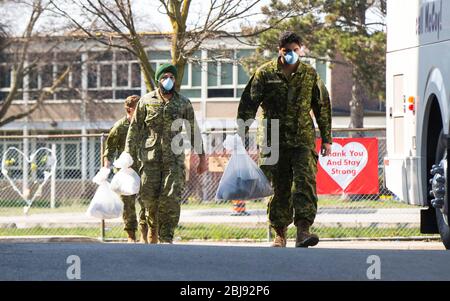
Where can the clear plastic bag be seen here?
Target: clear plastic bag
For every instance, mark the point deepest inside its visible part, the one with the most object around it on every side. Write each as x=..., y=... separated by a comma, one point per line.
x=242, y=178
x=126, y=182
x=105, y=204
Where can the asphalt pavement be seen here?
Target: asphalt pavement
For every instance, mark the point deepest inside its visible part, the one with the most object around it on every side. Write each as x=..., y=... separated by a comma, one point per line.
x=116, y=261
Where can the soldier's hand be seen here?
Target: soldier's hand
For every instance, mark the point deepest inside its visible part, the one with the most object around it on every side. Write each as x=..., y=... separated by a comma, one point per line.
x=326, y=149
x=202, y=166
x=107, y=164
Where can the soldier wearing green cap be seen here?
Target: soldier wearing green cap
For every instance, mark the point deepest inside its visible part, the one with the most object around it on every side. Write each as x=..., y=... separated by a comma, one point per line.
x=152, y=137
x=288, y=90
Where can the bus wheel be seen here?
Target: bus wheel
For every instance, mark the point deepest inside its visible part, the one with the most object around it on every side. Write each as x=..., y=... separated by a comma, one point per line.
x=439, y=190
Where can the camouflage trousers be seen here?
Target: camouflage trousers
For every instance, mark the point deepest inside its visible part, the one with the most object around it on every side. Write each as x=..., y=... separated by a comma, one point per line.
x=293, y=179
x=161, y=189
x=129, y=212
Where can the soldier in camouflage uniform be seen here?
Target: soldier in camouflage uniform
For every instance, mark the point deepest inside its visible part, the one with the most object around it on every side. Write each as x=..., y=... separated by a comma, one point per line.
x=288, y=89
x=163, y=169
x=114, y=146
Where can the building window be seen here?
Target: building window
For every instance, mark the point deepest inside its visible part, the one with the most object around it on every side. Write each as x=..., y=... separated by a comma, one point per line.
x=219, y=93
x=5, y=76
x=135, y=75
x=212, y=74
x=46, y=72
x=92, y=76
x=242, y=74
x=113, y=79
x=321, y=68
x=105, y=75
x=69, y=160
x=196, y=74
x=226, y=73
x=159, y=55
x=122, y=75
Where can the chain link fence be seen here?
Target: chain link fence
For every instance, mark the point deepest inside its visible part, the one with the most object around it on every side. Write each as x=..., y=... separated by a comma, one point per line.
x=38, y=198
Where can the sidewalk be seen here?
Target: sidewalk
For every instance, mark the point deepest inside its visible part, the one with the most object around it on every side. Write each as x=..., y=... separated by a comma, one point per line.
x=334, y=244
x=396, y=217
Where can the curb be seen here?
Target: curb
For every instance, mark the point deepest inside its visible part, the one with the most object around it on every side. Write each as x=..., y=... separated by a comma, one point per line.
x=48, y=239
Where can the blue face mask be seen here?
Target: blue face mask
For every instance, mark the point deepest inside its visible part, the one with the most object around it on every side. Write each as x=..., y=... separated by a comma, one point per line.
x=167, y=84
x=291, y=57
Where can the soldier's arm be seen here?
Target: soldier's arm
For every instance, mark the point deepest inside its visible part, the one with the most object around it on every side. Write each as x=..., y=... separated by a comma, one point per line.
x=321, y=105
x=135, y=129
x=195, y=134
x=195, y=137
x=250, y=100
x=111, y=145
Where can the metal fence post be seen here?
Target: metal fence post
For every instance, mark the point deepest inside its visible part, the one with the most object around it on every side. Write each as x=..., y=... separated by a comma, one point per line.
x=102, y=225
x=53, y=182
x=269, y=233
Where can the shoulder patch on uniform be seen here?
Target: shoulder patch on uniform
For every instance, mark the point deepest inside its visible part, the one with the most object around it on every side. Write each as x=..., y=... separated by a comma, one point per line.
x=152, y=102
x=150, y=99
x=274, y=81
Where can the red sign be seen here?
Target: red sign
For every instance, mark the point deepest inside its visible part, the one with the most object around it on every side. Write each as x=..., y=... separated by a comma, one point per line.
x=352, y=167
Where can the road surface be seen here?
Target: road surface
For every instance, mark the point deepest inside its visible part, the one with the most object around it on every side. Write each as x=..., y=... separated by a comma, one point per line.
x=116, y=261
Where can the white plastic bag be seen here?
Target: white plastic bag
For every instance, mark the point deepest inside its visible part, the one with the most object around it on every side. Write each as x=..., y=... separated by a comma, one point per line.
x=106, y=203
x=125, y=160
x=101, y=176
x=242, y=178
x=126, y=182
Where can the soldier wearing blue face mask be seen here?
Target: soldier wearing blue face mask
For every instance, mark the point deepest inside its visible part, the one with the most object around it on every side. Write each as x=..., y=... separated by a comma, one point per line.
x=150, y=140
x=288, y=90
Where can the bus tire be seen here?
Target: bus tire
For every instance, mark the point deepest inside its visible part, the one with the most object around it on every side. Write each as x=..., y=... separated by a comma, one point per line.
x=441, y=218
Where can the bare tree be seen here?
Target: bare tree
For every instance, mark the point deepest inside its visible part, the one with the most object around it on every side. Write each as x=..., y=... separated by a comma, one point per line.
x=185, y=41
x=112, y=23
x=17, y=49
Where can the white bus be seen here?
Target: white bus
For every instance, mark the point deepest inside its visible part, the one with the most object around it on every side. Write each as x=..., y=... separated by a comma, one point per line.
x=418, y=108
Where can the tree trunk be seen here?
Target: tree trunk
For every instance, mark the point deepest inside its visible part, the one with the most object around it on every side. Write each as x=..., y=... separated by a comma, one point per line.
x=180, y=64
x=357, y=105
x=178, y=59
x=146, y=68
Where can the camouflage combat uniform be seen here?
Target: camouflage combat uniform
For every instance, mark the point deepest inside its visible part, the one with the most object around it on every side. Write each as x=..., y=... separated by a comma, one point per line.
x=163, y=171
x=114, y=146
x=290, y=100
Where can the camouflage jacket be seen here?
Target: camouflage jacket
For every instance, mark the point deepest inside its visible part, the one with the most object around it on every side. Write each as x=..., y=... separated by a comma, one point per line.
x=115, y=143
x=152, y=128
x=290, y=100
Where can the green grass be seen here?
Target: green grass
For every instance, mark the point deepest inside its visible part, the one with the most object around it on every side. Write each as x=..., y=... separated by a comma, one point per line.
x=89, y=232
x=12, y=211
x=250, y=205
x=363, y=203
x=219, y=232
x=15, y=207
x=323, y=203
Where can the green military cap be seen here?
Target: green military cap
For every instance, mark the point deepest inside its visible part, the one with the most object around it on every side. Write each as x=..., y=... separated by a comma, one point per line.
x=164, y=68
